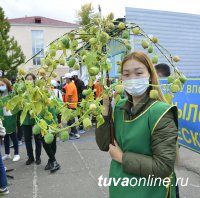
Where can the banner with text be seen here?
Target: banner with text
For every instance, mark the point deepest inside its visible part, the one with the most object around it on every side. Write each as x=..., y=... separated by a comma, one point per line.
x=188, y=103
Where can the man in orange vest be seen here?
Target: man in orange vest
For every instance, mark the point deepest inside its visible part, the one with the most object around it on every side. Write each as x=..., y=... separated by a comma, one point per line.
x=71, y=97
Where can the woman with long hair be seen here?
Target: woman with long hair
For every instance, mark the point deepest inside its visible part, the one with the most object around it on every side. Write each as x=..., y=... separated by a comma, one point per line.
x=146, y=133
x=9, y=122
x=27, y=127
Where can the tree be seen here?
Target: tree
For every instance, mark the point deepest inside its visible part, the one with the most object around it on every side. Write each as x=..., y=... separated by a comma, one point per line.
x=11, y=55
x=86, y=14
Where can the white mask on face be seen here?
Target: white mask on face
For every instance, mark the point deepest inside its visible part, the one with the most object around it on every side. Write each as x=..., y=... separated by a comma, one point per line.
x=136, y=87
x=3, y=88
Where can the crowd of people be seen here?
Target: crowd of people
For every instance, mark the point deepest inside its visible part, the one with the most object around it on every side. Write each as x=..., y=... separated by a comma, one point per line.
x=68, y=90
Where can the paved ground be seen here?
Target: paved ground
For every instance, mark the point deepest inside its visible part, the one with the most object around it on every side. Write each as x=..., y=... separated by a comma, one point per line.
x=82, y=163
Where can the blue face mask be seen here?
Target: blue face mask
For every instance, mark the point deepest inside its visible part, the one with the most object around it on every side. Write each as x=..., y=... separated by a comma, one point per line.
x=3, y=88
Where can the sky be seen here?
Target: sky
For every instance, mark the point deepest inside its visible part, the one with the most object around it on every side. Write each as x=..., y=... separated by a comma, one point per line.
x=66, y=10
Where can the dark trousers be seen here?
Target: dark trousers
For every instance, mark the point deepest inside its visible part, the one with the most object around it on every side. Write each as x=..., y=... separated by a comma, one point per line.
x=73, y=129
x=27, y=129
x=3, y=179
x=19, y=129
x=13, y=137
x=81, y=124
x=50, y=149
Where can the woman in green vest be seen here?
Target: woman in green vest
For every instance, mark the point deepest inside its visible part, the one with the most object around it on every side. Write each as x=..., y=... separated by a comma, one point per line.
x=27, y=126
x=146, y=131
x=9, y=121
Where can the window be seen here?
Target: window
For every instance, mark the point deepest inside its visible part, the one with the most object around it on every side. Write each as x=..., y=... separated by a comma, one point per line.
x=37, y=46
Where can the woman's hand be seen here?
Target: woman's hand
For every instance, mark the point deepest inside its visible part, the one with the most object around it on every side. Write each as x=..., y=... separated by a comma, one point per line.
x=115, y=152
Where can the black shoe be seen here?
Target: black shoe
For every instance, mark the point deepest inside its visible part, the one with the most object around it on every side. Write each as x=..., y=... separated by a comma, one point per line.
x=29, y=161
x=54, y=166
x=73, y=136
x=80, y=128
x=48, y=166
x=38, y=161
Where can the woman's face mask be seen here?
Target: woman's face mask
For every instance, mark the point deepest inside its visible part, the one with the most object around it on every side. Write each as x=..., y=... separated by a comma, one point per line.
x=135, y=77
x=3, y=88
x=136, y=87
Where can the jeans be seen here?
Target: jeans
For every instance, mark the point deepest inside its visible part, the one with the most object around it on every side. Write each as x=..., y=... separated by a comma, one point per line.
x=50, y=149
x=3, y=178
x=13, y=137
x=27, y=129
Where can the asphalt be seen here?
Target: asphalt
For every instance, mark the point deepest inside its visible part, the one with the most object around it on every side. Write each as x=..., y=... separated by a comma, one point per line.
x=82, y=163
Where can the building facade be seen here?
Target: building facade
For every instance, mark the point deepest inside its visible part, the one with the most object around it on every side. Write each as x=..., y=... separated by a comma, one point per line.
x=35, y=33
x=177, y=32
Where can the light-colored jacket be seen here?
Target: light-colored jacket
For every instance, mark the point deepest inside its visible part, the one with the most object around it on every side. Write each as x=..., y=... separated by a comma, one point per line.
x=2, y=129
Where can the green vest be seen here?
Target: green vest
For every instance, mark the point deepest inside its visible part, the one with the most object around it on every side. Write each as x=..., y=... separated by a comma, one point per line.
x=28, y=120
x=135, y=136
x=9, y=122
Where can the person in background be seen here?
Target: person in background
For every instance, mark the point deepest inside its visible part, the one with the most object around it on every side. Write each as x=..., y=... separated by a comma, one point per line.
x=55, y=91
x=19, y=127
x=3, y=180
x=59, y=84
x=50, y=149
x=80, y=87
x=19, y=130
x=58, y=95
x=71, y=97
x=163, y=70
x=27, y=126
x=98, y=89
x=9, y=122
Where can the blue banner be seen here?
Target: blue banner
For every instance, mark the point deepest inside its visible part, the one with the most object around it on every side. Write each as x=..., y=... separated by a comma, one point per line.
x=188, y=103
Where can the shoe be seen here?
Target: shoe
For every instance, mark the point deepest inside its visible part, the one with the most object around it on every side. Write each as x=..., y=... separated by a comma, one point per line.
x=81, y=131
x=19, y=143
x=94, y=124
x=38, y=161
x=11, y=146
x=74, y=136
x=54, y=166
x=6, y=156
x=16, y=158
x=48, y=166
x=4, y=191
x=29, y=161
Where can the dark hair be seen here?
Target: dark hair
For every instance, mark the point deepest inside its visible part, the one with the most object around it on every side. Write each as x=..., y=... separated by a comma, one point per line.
x=30, y=74
x=8, y=84
x=164, y=69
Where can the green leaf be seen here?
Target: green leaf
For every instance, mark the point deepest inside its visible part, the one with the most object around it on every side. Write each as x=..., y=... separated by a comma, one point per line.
x=12, y=103
x=48, y=116
x=38, y=108
x=23, y=115
x=42, y=124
